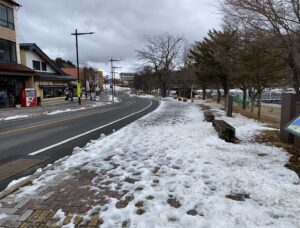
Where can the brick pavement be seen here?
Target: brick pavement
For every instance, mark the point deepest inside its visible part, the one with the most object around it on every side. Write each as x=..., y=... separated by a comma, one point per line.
x=72, y=196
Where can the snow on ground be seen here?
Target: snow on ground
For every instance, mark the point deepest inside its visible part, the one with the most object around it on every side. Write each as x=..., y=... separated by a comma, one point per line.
x=14, y=117
x=65, y=110
x=2, y=216
x=148, y=96
x=15, y=182
x=115, y=99
x=183, y=168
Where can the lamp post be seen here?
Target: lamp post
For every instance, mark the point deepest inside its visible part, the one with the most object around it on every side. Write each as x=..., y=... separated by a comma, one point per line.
x=76, y=34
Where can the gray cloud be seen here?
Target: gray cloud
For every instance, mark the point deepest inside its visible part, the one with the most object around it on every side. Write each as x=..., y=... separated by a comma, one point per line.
x=119, y=26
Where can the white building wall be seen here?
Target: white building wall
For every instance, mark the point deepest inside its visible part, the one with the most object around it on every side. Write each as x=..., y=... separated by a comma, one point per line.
x=30, y=56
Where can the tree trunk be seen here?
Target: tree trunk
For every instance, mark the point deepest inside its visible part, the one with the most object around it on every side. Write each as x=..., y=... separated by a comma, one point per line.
x=219, y=96
x=203, y=93
x=296, y=76
x=244, y=98
x=163, y=89
x=259, y=105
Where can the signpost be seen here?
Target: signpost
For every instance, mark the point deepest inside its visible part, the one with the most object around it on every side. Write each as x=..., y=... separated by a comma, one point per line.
x=294, y=126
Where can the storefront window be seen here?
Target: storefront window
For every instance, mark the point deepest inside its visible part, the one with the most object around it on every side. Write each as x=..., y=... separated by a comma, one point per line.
x=10, y=92
x=53, y=92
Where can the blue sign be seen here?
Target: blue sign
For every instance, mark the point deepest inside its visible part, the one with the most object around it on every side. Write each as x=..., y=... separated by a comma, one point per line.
x=294, y=126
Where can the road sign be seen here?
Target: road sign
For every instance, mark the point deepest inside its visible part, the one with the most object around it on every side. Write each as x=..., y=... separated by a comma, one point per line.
x=294, y=126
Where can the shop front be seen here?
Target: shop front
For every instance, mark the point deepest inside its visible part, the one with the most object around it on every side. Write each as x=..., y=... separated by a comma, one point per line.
x=14, y=78
x=51, y=88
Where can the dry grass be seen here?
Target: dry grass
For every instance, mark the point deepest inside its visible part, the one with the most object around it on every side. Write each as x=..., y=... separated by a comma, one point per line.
x=269, y=115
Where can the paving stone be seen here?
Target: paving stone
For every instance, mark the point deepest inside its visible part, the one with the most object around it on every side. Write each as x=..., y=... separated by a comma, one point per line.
x=22, y=203
x=6, y=200
x=77, y=220
x=42, y=217
x=8, y=211
x=34, y=216
x=67, y=219
x=2, y=221
x=25, y=216
x=11, y=223
x=94, y=221
x=34, y=197
x=48, y=195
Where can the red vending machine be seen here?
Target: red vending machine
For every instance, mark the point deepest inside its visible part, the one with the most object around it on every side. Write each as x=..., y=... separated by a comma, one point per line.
x=28, y=98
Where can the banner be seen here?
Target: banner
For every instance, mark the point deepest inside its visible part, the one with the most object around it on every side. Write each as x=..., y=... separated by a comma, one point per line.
x=78, y=90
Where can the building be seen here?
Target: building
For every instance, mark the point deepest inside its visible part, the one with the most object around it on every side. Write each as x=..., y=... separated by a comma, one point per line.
x=127, y=79
x=72, y=71
x=50, y=82
x=101, y=79
x=95, y=78
x=14, y=77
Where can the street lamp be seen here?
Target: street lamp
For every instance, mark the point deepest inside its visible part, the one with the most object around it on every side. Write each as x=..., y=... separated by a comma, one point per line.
x=76, y=34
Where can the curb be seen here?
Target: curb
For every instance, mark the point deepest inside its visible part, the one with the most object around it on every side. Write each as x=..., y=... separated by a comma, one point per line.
x=29, y=179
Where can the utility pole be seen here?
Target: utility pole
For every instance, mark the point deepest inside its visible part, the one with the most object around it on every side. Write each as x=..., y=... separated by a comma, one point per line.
x=76, y=34
x=113, y=76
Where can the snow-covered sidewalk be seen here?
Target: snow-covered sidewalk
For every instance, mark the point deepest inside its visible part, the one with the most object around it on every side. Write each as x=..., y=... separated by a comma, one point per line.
x=168, y=169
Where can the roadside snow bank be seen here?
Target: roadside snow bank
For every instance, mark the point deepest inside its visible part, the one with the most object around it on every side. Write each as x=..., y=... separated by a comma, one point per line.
x=14, y=117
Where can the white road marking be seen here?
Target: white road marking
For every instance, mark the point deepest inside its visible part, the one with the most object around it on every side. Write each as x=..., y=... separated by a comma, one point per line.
x=88, y=132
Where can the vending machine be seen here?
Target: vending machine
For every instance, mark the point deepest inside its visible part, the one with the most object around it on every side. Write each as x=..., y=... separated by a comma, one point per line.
x=28, y=97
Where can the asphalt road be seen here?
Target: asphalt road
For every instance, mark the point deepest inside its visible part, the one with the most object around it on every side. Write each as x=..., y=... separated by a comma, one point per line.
x=50, y=138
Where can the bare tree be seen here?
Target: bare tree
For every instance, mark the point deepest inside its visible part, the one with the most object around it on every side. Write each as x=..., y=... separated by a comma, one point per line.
x=280, y=17
x=162, y=54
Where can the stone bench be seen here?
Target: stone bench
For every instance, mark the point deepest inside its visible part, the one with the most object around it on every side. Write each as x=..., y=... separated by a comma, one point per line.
x=225, y=130
x=209, y=116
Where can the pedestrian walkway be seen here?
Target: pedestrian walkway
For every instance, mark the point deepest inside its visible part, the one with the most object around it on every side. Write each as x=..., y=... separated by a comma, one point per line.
x=25, y=112
x=168, y=169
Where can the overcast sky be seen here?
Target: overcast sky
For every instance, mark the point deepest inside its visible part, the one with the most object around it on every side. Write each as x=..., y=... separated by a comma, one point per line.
x=119, y=26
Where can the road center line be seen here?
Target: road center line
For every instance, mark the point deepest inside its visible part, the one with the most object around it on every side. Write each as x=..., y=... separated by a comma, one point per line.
x=58, y=121
x=88, y=132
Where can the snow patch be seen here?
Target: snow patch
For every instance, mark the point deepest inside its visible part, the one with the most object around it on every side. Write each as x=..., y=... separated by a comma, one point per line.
x=14, y=117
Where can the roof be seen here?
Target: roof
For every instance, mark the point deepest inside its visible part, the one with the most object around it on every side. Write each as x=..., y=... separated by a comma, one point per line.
x=7, y=68
x=14, y=3
x=34, y=47
x=73, y=71
x=53, y=77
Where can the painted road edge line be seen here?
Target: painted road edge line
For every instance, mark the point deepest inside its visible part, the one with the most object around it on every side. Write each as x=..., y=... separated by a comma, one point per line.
x=88, y=132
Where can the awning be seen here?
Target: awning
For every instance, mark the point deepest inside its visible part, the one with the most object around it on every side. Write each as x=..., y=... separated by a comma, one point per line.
x=53, y=86
x=15, y=69
x=52, y=77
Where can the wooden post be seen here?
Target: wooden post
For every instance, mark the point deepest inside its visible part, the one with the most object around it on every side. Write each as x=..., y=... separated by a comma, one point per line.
x=288, y=112
x=229, y=105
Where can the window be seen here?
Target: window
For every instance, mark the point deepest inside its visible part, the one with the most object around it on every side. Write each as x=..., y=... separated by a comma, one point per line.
x=6, y=17
x=53, y=92
x=36, y=65
x=8, y=51
x=44, y=66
